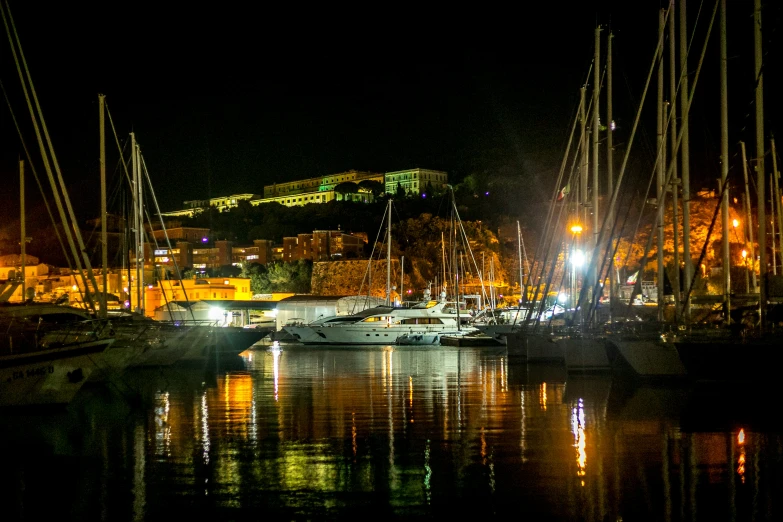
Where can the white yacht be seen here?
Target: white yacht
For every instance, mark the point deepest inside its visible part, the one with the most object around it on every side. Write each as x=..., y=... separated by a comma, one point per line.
x=379, y=325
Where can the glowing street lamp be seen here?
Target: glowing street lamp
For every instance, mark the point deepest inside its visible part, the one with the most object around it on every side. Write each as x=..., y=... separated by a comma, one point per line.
x=576, y=229
x=735, y=223
x=577, y=258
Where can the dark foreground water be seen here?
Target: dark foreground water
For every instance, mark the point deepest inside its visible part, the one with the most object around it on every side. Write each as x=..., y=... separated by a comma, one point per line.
x=379, y=433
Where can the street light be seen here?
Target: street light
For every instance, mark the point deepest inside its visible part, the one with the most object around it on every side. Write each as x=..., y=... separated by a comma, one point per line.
x=576, y=229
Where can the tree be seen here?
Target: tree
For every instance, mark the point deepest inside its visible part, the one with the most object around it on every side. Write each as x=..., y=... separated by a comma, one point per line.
x=346, y=187
x=376, y=188
x=400, y=193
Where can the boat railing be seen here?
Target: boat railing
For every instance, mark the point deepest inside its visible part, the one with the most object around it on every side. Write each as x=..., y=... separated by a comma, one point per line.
x=22, y=336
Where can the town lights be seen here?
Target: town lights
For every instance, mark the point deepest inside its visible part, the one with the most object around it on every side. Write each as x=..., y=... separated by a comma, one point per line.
x=576, y=229
x=735, y=223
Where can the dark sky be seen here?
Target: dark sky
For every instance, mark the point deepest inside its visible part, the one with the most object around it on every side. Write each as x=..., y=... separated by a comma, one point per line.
x=225, y=98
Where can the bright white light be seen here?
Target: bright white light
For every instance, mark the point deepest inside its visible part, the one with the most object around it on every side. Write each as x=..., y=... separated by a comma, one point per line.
x=562, y=297
x=215, y=313
x=578, y=258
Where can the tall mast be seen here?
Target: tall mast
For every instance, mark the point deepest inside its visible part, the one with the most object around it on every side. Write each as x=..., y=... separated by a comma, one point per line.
x=596, y=118
x=724, y=161
x=23, y=230
x=388, y=258
x=748, y=216
x=660, y=170
x=772, y=223
x=583, y=169
x=685, y=157
x=104, y=246
x=137, y=223
x=402, y=278
x=776, y=192
x=610, y=168
x=761, y=201
x=675, y=180
x=521, y=273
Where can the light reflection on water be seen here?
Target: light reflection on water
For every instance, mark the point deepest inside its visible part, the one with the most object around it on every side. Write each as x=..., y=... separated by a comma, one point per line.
x=308, y=433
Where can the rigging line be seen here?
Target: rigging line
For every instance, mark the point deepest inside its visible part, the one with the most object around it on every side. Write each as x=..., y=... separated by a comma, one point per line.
x=120, y=149
x=658, y=50
x=561, y=171
x=168, y=241
x=464, y=237
x=15, y=42
x=369, y=264
x=679, y=138
x=547, y=285
x=552, y=234
x=538, y=268
x=37, y=178
x=706, y=242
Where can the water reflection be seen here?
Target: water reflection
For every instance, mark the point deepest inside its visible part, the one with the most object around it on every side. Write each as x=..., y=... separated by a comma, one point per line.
x=305, y=433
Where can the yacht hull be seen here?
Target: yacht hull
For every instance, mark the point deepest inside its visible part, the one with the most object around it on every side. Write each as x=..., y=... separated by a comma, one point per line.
x=48, y=377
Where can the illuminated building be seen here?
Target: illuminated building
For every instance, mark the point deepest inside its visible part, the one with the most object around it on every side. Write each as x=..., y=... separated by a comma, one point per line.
x=415, y=181
x=324, y=245
x=321, y=190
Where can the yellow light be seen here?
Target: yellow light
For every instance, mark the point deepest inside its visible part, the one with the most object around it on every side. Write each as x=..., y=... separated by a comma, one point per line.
x=74, y=288
x=735, y=223
x=576, y=229
x=744, y=254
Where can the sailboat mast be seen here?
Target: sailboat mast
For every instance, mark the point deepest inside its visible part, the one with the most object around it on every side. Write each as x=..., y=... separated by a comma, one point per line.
x=23, y=229
x=104, y=246
x=772, y=224
x=724, y=169
x=402, y=277
x=776, y=191
x=596, y=118
x=660, y=171
x=521, y=273
x=761, y=201
x=583, y=169
x=136, y=221
x=685, y=157
x=748, y=216
x=388, y=258
x=675, y=180
x=610, y=168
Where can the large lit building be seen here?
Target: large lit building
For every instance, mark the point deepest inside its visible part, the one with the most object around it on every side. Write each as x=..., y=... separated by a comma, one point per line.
x=317, y=190
x=321, y=190
x=221, y=203
x=415, y=181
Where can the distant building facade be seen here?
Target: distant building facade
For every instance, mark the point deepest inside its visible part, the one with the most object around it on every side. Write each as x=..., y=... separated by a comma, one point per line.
x=321, y=190
x=415, y=181
x=323, y=245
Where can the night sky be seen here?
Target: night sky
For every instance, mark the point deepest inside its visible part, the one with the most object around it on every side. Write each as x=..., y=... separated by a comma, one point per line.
x=226, y=98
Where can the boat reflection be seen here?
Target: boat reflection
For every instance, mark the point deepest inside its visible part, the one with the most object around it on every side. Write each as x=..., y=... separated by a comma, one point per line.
x=420, y=432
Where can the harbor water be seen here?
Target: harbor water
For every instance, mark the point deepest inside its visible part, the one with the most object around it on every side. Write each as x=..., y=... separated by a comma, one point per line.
x=395, y=433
